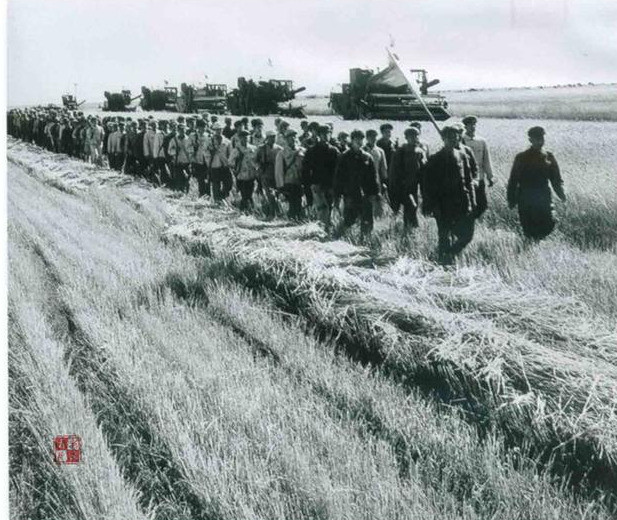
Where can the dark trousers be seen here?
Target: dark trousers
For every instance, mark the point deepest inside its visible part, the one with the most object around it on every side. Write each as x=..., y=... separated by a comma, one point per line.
x=293, y=193
x=481, y=200
x=180, y=177
x=200, y=172
x=454, y=235
x=246, y=189
x=409, y=201
x=115, y=161
x=355, y=208
x=537, y=222
x=221, y=182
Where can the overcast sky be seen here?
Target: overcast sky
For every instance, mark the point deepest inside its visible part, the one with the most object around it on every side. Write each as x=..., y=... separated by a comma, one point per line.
x=110, y=44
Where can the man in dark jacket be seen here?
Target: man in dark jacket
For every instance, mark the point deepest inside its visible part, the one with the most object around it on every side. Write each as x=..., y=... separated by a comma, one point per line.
x=356, y=182
x=386, y=143
x=405, y=176
x=529, y=188
x=449, y=195
x=318, y=171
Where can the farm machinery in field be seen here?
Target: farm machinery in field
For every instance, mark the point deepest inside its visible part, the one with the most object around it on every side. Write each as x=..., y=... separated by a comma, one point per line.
x=69, y=101
x=211, y=98
x=387, y=95
x=119, y=101
x=159, y=99
x=263, y=98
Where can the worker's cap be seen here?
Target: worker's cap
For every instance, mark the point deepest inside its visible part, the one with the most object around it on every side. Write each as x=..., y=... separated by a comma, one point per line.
x=200, y=123
x=291, y=133
x=243, y=133
x=228, y=119
x=283, y=124
x=467, y=120
x=180, y=119
x=304, y=123
x=245, y=119
x=323, y=129
x=257, y=122
x=372, y=132
x=449, y=130
x=412, y=131
x=386, y=126
x=460, y=127
x=238, y=123
x=270, y=133
x=357, y=134
x=416, y=124
x=216, y=126
x=314, y=125
x=121, y=124
x=163, y=122
x=213, y=118
x=536, y=131
x=342, y=134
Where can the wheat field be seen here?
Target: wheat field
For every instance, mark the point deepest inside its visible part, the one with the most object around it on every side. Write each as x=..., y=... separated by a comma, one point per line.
x=221, y=366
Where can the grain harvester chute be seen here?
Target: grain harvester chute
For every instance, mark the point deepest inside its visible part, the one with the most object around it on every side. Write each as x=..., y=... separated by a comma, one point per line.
x=261, y=98
x=159, y=99
x=387, y=95
x=210, y=98
x=119, y=101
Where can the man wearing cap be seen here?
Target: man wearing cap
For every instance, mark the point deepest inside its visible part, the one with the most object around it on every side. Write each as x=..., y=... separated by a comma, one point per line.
x=94, y=141
x=114, y=148
x=154, y=153
x=378, y=155
x=257, y=137
x=386, y=143
x=288, y=173
x=199, y=144
x=217, y=159
x=266, y=160
x=228, y=131
x=483, y=160
x=318, y=170
x=355, y=181
x=448, y=195
x=405, y=174
x=242, y=162
x=342, y=142
x=130, y=162
x=528, y=187
x=418, y=126
x=281, y=136
x=180, y=152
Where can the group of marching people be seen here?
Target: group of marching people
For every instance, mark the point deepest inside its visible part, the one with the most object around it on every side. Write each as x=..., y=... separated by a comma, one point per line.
x=364, y=170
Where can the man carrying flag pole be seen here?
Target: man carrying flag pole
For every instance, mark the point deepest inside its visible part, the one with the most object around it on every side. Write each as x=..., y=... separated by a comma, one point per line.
x=447, y=189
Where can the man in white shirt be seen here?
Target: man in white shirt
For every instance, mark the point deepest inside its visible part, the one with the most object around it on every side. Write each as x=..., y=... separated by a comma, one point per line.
x=483, y=159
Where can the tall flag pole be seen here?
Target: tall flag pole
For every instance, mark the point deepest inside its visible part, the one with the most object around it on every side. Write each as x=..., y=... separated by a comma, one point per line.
x=394, y=60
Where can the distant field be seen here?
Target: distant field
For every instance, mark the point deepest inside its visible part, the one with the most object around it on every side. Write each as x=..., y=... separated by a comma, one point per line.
x=587, y=103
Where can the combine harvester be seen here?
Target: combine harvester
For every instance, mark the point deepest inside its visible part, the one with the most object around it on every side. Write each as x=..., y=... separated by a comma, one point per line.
x=263, y=98
x=165, y=99
x=119, y=101
x=389, y=95
x=69, y=101
x=211, y=98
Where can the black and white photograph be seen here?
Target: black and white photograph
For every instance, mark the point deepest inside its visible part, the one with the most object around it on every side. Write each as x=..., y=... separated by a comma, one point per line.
x=310, y=260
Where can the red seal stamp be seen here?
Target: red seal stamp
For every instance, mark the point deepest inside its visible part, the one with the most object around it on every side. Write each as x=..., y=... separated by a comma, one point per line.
x=67, y=449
